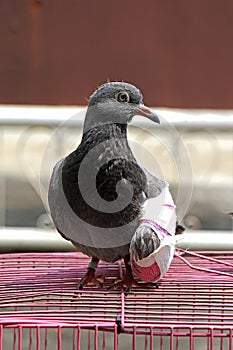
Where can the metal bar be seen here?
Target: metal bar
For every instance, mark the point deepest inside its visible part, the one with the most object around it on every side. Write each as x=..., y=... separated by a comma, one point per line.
x=38, y=343
x=1, y=331
x=59, y=338
x=30, y=339
x=172, y=338
x=206, y=240
x=38, y=115
x=230, y=339
x=28, y=239
x=203, y=269
x=103, y=340
x=191, y=342
x=115, y=339
x=96, y=337
x=74, y=115
x=209, y=258
x=211, y=339
x=134, y=337
x=20, y=338
x=79, y=338
x=151, y=338
x=122, y=297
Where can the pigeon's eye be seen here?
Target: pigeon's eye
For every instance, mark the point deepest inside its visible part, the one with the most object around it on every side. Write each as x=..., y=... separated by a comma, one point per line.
x=123, y=96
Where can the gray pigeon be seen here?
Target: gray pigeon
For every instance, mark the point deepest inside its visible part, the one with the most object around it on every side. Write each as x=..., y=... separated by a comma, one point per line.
x=96, y=193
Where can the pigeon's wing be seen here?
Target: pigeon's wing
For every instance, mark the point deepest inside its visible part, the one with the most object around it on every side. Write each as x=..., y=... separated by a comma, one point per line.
x=107, y=244
x=154, y=185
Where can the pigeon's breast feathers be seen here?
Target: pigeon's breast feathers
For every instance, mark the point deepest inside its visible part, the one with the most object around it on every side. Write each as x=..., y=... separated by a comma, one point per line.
x=101, y=179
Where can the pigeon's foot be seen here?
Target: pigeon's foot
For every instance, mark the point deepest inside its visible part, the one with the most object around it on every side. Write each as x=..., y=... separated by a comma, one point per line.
x=128, y=281
x=90, y=279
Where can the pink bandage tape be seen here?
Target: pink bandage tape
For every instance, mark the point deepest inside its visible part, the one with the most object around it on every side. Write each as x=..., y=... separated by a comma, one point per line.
x=146, y=274
x=159, y=214
x=149, y=273
x=156, y=227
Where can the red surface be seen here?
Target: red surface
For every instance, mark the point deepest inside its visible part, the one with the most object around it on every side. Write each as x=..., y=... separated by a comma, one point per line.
x=38, y=292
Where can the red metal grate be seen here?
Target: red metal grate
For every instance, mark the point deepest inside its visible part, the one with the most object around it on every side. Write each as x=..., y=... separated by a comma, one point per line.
x=40, y=308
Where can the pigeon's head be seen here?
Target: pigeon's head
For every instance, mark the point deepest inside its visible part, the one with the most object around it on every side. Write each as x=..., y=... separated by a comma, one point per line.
x=116, y=102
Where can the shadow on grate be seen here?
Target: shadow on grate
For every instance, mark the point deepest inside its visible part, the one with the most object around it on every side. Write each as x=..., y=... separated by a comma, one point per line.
x=40, y=307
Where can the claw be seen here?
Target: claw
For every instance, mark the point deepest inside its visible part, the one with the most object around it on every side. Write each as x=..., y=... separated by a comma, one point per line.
x=90, y=279
x=127, y=290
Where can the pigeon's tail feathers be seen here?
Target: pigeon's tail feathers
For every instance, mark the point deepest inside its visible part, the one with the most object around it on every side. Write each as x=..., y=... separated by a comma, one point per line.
x=144, y=242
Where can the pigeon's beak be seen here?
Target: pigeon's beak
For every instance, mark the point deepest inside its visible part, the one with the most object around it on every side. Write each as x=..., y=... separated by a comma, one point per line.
x=146, y=112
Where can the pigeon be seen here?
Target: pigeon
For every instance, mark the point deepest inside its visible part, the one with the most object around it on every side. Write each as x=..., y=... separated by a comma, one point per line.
x=96, y=193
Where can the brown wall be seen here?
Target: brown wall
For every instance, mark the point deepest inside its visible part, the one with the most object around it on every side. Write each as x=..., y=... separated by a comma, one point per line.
x=180, y=53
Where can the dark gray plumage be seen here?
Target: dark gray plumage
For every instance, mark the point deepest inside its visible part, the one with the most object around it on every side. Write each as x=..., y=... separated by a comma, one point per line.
x=93, y=182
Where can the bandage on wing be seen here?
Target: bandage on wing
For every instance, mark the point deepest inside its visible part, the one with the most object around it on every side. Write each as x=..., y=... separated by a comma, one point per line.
x=160, y=215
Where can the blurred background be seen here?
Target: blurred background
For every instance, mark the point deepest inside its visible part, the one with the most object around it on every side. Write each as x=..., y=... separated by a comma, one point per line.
x=179, y=53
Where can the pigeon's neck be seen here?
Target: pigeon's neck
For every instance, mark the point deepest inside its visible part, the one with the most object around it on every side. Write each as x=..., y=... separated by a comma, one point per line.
x=104, y=132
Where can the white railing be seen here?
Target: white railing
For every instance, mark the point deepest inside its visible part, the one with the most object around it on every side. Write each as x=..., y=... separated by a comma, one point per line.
x=34, y=239
x=55, y=116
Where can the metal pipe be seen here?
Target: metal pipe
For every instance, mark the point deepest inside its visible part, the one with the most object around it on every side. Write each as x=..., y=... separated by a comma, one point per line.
x=74, y=115
x=33, y=239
